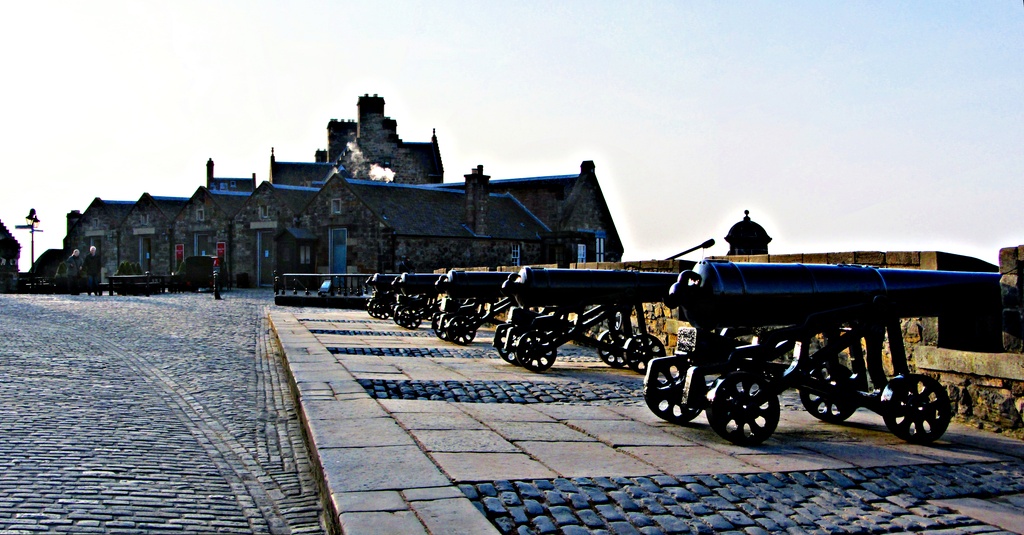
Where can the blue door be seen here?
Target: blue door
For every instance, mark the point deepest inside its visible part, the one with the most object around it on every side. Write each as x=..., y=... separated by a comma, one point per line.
x=339, y=250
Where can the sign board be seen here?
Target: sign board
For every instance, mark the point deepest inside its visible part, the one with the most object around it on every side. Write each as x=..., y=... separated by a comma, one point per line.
x=179, y=252
x=221, y=246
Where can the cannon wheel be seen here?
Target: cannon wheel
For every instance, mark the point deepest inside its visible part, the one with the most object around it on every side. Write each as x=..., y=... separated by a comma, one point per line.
x=533, y=352
x=663, y=390
x=743, y=410
x=916, y=408
x=641, y=348
x=377, y=308
x=829, y=408
x=502, y=343
x=407, y=317
x=459, y=330
x=613, y=358
x=435, y=321
x=442, y=326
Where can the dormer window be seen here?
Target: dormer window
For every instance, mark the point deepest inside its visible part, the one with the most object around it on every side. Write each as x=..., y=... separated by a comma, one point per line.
x=234, y=184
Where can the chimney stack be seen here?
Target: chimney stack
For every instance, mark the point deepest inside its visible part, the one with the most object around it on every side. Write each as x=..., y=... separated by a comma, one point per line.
x=477, y=192
x=209, y=173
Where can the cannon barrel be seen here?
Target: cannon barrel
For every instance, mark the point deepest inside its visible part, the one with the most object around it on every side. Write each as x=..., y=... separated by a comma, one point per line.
x=416, y=284
x=472, y=284
x=718, y=294
x=567, y=287
x=380, y=281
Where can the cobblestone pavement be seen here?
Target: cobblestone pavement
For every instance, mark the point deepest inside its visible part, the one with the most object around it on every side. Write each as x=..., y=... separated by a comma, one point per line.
x=876, y=500
x=162, y=414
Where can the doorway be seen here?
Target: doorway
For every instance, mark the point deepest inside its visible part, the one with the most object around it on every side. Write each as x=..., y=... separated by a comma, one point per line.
x=265, y=258
x=339, y=250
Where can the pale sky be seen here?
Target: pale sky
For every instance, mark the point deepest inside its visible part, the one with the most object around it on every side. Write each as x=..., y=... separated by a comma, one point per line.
x=875, y=125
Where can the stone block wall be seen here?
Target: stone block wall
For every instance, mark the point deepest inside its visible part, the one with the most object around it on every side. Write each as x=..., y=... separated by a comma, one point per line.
x=987, y=388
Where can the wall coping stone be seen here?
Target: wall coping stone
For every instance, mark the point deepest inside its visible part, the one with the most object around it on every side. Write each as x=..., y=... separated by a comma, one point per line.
x=999, y=365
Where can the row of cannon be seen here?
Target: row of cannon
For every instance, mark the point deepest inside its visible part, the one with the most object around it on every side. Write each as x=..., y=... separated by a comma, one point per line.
x=760, y=329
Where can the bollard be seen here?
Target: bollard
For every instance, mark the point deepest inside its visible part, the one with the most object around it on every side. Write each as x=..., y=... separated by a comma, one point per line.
x=216, y=286
x=147, y=284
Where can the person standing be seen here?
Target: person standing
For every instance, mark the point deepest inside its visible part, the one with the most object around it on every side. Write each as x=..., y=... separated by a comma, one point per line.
x=74, y=271
x=91, y=266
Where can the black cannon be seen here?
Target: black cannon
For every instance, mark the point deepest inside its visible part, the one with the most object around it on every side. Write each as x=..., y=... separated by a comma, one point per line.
x=416, y=299
x=381, y=304
x=825, y=317
x=572, y=302
x=472, y=298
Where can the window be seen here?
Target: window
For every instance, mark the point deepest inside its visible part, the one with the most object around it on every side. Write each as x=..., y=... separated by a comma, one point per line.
x=200, y=214
x=581, y=253
x=335, y=206
x=304, y=254
x=599, y=250
x=264, y=211
x=221, y=186
x=515, y=254
x=234, y=184
x=144, y=219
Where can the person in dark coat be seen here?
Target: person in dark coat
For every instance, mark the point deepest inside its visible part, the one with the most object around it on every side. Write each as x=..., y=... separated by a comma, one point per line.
x=91, y=267
x=74, y=264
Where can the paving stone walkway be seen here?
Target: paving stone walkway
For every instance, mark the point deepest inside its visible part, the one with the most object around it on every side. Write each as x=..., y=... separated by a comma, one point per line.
x=416, y=435
x=161, y=414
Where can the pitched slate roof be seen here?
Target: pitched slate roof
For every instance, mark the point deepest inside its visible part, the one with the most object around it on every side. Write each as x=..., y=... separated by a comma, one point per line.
x=229, y=201
x=296, y=197
x=431, y=211
x=117, y=210
x=300, y=173
x=170, y=206
x=527, y=182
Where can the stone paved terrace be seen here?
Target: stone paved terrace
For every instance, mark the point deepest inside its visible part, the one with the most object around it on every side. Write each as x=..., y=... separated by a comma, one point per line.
x=415, y=435
x=174, y=414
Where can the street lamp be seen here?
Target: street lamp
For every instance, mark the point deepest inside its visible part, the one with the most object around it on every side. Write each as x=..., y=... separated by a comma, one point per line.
x=32, y=225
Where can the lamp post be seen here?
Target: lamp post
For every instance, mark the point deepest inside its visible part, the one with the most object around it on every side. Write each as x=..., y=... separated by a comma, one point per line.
x=32, y=225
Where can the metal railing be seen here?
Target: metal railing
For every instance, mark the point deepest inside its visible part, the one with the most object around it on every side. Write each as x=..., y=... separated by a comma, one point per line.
x=341, y=284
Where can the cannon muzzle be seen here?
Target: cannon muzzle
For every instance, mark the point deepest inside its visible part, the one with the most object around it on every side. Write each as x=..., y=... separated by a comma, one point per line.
x=718, y=294
x=568, y=287
x=416, y=284
x=379, y=281
x=472, y=284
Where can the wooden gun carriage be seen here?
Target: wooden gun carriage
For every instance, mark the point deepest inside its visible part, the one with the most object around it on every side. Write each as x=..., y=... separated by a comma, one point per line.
x=832, y=320
x=571, y=303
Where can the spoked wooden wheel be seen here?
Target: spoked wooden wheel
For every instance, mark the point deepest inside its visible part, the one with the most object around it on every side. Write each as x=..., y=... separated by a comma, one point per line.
x=442, y=326
x=534, y=352
x=460, y=331
x=833, y=408
x=743, y=410
x=377, y=308
x=663, y=390
x=503, y=343
x=616, y=358
x=916, y=408
x=640, y=349
x=407, y=317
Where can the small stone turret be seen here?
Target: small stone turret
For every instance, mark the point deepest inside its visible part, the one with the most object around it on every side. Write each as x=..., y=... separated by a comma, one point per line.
x=747, y=237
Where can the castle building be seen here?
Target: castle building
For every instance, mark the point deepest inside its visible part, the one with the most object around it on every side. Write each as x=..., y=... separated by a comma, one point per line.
x=366, y=203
